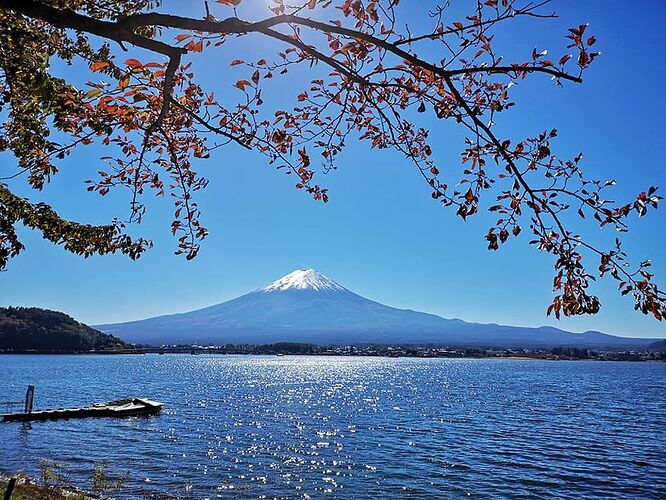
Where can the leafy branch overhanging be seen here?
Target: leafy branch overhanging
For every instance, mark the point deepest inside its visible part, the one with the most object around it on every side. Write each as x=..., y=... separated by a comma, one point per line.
x=155, y=119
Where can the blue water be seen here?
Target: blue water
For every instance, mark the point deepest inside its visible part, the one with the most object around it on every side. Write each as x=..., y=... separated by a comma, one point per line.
x=287, y=427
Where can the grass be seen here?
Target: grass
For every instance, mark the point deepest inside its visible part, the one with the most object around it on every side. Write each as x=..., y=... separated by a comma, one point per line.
x=27, y=490
x=53, y=483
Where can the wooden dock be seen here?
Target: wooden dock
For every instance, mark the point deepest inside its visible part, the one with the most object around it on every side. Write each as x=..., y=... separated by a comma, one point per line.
x=120, y=408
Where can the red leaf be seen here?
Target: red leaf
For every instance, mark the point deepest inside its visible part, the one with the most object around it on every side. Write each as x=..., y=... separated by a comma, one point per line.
x=565, y=59
x=241, y=84
x=96, y=66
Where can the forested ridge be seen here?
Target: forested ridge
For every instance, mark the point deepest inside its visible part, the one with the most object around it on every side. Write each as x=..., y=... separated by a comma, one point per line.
x=32, y=328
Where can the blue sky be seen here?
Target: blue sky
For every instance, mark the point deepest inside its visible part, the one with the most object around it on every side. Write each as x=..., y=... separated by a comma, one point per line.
x=381, y=235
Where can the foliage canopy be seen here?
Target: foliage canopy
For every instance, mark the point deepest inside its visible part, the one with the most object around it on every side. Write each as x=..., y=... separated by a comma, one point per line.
x=31, y=328
x=374, y=79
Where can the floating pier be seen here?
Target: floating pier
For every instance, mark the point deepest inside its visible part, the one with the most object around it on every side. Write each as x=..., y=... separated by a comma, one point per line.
x=119, y=408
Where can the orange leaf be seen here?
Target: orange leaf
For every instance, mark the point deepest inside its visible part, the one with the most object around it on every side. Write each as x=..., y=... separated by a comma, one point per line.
x=241, y=84
x=96, y=66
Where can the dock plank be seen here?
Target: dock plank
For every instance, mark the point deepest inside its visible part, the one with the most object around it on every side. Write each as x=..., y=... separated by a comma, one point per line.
x=122, y=408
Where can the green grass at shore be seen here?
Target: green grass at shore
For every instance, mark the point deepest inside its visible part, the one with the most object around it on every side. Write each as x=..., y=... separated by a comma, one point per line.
x=28, y=490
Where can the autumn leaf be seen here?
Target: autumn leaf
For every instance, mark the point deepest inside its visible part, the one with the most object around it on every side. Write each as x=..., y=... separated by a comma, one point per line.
x=133, y=63
x=96, y=66
x=241, y=84
x=194, y=46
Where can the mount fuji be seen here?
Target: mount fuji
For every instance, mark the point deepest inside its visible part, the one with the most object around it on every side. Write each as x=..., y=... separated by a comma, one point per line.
x=306, y=306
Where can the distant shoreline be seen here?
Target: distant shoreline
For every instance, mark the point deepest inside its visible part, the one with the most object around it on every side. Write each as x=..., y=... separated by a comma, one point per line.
x=384, y=351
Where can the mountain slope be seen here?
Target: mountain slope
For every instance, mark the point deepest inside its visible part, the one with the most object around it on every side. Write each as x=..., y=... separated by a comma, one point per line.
x=34, y=329
x=306, y=306
x=659, y=346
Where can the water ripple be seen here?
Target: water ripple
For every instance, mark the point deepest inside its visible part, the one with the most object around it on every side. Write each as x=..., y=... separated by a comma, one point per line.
x=285, y=427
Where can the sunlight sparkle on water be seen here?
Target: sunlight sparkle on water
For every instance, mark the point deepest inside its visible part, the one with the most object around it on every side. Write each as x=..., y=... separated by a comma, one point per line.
x=302, y=426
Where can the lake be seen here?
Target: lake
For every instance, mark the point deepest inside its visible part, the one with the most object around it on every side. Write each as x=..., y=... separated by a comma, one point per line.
x=349, y=427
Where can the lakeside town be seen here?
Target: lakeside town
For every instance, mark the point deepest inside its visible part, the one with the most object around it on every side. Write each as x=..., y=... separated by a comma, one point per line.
x=391, y=351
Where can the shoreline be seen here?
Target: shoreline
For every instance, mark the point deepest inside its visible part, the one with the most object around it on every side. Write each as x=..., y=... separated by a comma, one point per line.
x=388, y=352
x=28, y=488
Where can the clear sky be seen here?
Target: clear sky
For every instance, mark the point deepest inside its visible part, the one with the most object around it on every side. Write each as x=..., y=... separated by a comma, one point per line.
x=381, y=235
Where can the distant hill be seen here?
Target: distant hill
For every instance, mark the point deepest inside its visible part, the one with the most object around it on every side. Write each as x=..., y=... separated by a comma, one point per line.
x=306, y=306
x=34, y=329
x=659, y=346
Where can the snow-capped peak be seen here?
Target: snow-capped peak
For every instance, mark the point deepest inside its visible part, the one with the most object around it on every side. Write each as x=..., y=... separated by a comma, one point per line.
x=304, y=279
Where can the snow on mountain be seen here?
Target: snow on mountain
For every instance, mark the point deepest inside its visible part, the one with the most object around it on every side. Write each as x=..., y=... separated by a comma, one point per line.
x=306, y=306
x=304, y=279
